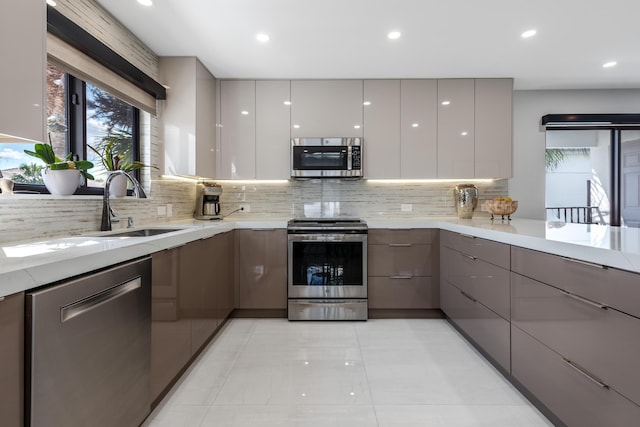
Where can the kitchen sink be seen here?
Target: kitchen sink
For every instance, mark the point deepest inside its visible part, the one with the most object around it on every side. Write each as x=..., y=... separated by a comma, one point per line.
x=142, y=232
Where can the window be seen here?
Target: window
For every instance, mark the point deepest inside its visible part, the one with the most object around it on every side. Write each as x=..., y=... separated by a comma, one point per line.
x=593, y=176
x=79, y=116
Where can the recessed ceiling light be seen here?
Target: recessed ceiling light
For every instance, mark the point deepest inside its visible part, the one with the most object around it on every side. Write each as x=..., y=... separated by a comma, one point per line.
x=244, y=112
x=287, y=102
x=52, y=3
x=393, y=35
x=366, y=103
x=146, y=2
x=262, y=38
x=609, y=64
x=528, y=33
x=445, y=102
x=356, y=126
x=465, y=133
x=296, y=126
x=415, y=125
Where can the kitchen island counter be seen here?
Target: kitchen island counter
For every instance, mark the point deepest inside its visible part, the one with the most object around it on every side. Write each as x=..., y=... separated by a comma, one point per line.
x=29, y=265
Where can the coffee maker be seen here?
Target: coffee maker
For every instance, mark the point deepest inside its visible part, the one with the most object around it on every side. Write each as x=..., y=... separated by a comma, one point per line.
x=207, y=200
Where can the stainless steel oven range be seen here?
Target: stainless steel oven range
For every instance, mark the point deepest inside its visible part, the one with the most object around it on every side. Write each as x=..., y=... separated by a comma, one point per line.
x=327, y=269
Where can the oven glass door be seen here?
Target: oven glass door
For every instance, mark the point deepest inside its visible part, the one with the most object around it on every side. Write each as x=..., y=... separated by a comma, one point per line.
x=327, y=266
x=320, y=158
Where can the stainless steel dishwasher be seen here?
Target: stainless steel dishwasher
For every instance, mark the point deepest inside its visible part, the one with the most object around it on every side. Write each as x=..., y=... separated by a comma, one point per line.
x=88, y=349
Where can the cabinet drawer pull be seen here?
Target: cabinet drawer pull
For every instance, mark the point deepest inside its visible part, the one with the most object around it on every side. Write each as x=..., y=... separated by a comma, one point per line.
x=400, y=245
x=587, y=263
x=401, y=277
x=469, y=296
x=586, y=374
x=584, y=300
x=468, y=256
x=468, y=235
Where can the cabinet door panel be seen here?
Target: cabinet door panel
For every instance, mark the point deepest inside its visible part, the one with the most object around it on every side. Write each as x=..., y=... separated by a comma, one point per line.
x=419, y=129
x=400, y=236
x=237, y=130
x=382, y=128
x=615, y=288
x=493, y=125
x=456, y=128
x=12, y=360
x=596, y=339
x=493, y=252
x=569, y=394
x=22, y=75
x=409, y=261
x=326, y=108
x=273, y=129
x=390, y=293
x=262, y=269
x=485, y=282
x=487, y=329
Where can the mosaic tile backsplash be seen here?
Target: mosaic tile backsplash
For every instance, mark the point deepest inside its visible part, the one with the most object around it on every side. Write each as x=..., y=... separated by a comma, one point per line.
x=42, y=217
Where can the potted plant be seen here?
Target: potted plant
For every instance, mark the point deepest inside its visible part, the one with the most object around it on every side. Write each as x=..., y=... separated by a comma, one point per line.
x=61, y=177
x=112, y=161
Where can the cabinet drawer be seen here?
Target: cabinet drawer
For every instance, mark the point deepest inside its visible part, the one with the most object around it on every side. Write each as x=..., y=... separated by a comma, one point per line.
x=385, y=260
x=400, y=236
x=486, y=250
x=390, y=293
x=603, y=341
x=487, y=329
x=485, y=282
x=615, y=288
x=567, y=392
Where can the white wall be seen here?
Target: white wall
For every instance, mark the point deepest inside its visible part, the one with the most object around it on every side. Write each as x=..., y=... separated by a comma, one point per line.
x=528, y=182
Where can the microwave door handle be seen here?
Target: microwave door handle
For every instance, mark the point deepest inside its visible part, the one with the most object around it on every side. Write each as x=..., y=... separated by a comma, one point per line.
x=349, y=158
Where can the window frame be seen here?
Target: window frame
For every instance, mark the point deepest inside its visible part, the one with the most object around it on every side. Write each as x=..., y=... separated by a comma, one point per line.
x=76, y=137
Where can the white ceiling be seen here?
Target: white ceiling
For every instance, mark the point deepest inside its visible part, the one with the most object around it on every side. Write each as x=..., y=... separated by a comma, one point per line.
x=440, y=38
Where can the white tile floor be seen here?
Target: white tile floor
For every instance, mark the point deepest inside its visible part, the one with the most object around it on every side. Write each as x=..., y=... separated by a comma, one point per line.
x=272, y=372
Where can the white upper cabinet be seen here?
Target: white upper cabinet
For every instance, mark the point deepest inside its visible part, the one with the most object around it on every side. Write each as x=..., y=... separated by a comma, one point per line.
x=22, y=74
x=382, y=129
x=419, y=129
x=237, y=127
x=456, y=131
x=494, y=132
x=326, y=108
x=273, y=135
x=187, y=117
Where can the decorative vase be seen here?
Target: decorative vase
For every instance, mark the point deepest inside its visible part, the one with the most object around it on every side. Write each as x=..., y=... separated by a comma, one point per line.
x=466, y=197
x=61, y=182
x=118, y=186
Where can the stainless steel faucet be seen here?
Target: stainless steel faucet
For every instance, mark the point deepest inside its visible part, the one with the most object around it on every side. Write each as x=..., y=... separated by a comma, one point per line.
x=107, y=213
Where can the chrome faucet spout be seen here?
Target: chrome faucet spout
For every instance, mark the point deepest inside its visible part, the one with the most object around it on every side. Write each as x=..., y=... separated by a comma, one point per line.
x=138, y=191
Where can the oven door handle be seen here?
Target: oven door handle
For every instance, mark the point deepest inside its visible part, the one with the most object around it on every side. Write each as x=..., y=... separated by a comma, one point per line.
x=335, y=237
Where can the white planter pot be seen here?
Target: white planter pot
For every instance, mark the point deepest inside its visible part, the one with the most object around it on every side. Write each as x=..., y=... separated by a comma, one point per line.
x=118, y=186
x=61, y=182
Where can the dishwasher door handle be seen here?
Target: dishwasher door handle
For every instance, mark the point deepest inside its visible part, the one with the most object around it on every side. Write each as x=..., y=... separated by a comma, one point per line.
x=78, y=308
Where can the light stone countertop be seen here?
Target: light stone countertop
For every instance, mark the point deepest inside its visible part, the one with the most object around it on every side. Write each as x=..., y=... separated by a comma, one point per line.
x=25, y=266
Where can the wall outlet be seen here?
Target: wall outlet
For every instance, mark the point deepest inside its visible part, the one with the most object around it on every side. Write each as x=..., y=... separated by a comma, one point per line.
x=406, y=207
x=169, y=209
x=246, y=207
x=162, y=210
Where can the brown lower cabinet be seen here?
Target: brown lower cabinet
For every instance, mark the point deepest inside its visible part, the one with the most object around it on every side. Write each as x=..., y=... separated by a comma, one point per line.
x=487, y=329
x=192, y=295
x=573, y=396
x=12, y=360
x=261, y=269
x=402, y=265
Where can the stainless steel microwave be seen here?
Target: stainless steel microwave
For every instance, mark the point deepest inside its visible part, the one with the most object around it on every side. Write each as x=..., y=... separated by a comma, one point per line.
x=326, y=158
